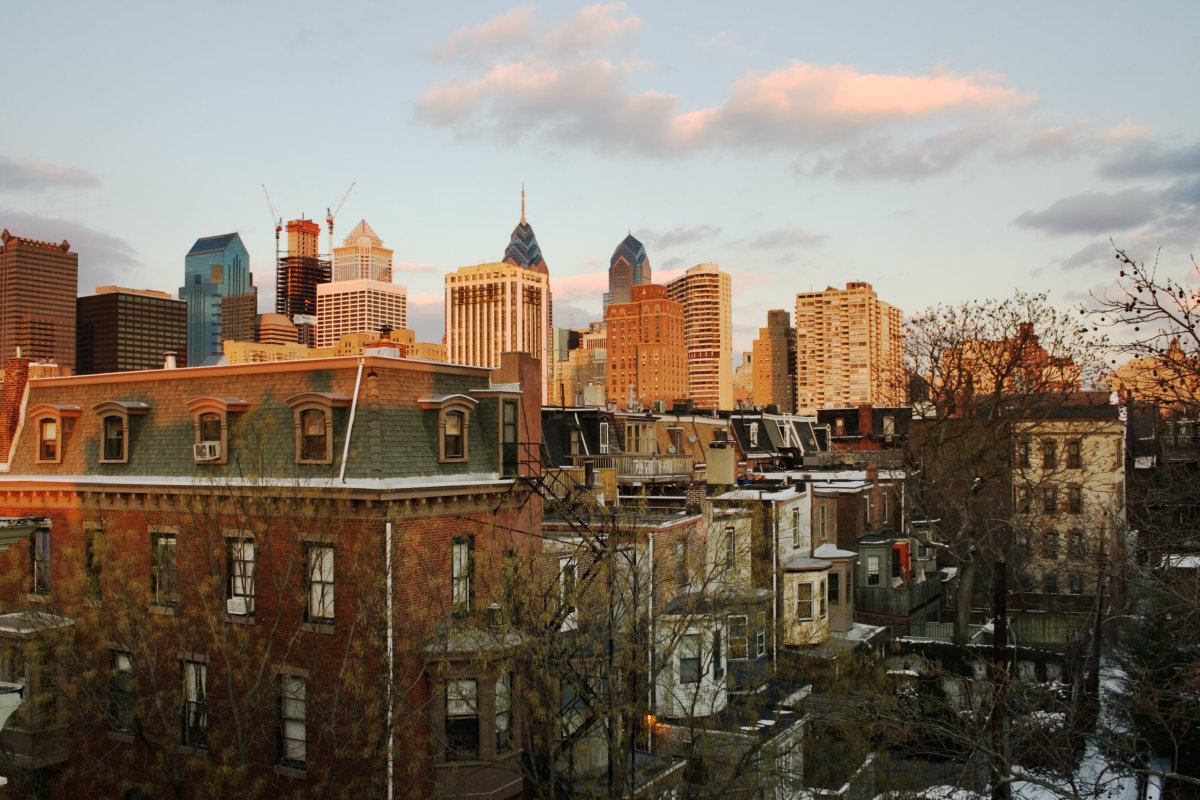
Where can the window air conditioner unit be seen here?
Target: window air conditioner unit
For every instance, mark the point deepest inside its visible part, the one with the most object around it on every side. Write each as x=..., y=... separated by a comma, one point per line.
x=236, y=605
x=206, y=451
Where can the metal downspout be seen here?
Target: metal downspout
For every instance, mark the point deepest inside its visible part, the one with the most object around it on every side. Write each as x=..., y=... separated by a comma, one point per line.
x=350, y=425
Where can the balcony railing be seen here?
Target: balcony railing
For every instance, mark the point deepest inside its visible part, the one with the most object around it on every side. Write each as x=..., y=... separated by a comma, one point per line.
x=900, y=601
x=633, y=468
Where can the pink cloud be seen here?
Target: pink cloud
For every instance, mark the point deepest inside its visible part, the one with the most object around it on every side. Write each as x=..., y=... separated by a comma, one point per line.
x=426, y=298
x=504, y=31
x=582, y=286
x=412, y=266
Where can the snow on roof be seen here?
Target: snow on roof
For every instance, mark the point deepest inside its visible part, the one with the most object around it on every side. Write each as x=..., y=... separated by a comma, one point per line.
x=830, y=550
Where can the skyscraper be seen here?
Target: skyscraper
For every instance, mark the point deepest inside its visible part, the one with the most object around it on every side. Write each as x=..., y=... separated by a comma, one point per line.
x=120, y=329
x=362, y=256
x=38, y=285
x=647, y=358
x=628, y=267
x=300, y=271
x=216, y=267
x=774, y=363
x=706, y=294
x=359, y=306
x=848, y=349
x=502, y=307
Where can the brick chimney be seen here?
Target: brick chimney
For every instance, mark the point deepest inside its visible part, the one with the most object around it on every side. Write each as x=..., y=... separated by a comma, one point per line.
x=16, y=375
x=865, y=421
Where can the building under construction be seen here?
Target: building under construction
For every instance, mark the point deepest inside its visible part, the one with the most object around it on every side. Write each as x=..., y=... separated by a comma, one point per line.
x=300, y=271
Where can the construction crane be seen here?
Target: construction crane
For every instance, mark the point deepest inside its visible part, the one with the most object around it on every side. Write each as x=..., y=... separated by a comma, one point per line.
x=276, y=220
x=330, y=215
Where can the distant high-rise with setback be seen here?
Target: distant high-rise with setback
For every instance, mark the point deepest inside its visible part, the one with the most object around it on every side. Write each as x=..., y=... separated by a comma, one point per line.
x=774, y=363
x=848, y=349
x=215, y=268
x=504, y=306
x=39, y=282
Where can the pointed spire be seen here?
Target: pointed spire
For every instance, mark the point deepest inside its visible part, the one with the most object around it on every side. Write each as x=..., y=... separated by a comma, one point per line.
x=522, y=202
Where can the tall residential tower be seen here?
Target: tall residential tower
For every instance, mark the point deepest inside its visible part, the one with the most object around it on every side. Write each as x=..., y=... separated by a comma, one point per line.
x=774, y=363
x=848, y=349
x=706, y=294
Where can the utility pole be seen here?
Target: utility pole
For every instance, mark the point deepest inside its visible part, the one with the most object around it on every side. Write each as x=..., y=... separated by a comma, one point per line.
x=1001, y=788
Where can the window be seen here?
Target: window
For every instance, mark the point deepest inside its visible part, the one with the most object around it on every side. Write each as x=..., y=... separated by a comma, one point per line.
x=48, y=440
x=504, y=717
x=462, y=720
x=1023, y=500
x=718, y=656
x=1050, y=500
x=194, y=717
x=754, y=434
x=575, y=446
x=821, y=599
x=1049, y=454
x=760, y=635
x=739, y=629
x=1074, y=455
x=821, y=519
x=114, y=438
x=508, y=442
x=164, y=571
x=795, y=529
x=453, y=435
x=1051, y=581
x=293, y=735
x=210, y=416
x=39, y=559
x=689, y=658
x=210, y=425
x=1075, y=583
x=568, y=577
x=603, y=438
x=319, y=604
x=121, y=693
x=312, y=435
x=1050, y=544
x=239, y=577
x=462, y=568
x=834, y=589
x=730, y=548
x=1075, y=545
x=1075, y=500
x=1022, y=456
x=313, y=416
x=872, y=570
x=804, y=602
x=681, y=560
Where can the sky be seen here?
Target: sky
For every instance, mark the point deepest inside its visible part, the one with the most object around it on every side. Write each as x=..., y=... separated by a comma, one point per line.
x=942, y=151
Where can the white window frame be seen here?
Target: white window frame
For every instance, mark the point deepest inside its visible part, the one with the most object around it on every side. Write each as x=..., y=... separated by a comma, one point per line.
x=293, y=724
x=688, y=652
x=194, y=710
x=804, y=601
x=462, y=568
x=240, y=569
x=874, y=577
x=320, y=564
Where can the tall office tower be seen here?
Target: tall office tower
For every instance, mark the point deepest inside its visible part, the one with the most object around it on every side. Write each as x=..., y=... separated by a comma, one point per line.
x=359, y=306
x=119, y=330
x=238, y=312
x=849, y=349
x=647, y=357
x=501, y=307
x=775, y=363
x=300, y=271
x=38, y=285
x=706, y=295
x=628, y=267
x=362, y=256
x=743, y=381
x=215, y=267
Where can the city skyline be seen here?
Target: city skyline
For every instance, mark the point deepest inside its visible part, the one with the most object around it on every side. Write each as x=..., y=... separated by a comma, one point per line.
x=984, y=150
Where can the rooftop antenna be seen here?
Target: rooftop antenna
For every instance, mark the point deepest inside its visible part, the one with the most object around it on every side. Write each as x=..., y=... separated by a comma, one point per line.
x=330, y=215
x=276, y=220
x=522, y=202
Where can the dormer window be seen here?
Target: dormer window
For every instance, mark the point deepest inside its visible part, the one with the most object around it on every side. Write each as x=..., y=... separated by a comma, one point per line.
x=313, y=413
x=754, y=434
x=210, y=423
x=114, y=428
x=454, y=420
x=48, y=422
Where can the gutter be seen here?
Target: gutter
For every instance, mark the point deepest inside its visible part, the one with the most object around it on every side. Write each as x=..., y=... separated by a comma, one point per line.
x=350, y=424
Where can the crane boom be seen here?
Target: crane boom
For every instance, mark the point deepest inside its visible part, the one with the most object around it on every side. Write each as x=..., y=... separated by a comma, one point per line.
x=331, y=214
x=276, y=220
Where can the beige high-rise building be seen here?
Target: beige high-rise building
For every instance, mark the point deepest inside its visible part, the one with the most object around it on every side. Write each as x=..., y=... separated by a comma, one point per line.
x=362, y=256
x=647, y=359
x=849, y=349
x=706, y=294
x=359, y=306
x=498, y=308
x=775, y=363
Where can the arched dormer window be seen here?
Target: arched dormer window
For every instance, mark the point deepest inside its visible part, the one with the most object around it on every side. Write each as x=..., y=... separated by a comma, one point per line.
x=454, y=422
x=48, y=426
x=210, y=422
x=114, y=428
x=313, y=416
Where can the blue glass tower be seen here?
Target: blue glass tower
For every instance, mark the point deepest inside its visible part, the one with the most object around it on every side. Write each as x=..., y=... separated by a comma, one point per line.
x=628, y=267
x=215, y=267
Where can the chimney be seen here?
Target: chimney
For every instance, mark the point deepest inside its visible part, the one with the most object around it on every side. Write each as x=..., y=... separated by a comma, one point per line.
x=169, y=360
x=16, y=375
x=865, y=421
